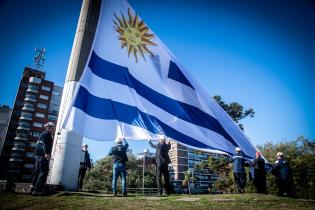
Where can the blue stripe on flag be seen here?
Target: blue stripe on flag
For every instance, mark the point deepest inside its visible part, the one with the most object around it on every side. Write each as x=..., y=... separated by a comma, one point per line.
x=102, y=108
x=186, y=112
x=176, y=74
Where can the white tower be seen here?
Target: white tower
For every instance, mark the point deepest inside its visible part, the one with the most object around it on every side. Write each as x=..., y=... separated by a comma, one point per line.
x=65, y=162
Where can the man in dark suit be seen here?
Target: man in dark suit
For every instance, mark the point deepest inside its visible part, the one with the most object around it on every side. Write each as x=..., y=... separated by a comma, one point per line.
x=162, y=160
x=42, y=152
x=85, y=164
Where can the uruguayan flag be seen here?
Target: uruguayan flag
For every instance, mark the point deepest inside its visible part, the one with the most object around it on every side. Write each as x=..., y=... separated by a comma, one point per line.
x=134, y=86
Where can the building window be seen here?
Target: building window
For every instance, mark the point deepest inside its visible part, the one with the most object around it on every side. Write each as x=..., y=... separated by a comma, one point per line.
x=42, y=106
x=17, y=112
x=24, y=85
x=28, y=165
x=43, y=97
x=36, y=134
x=27, y=177
x=40, y=115
x=30, y=154
x=36, y=124
x=18, y=102
x=32, y=144
x=52, y=117
x=55, y=93
x=45, y=88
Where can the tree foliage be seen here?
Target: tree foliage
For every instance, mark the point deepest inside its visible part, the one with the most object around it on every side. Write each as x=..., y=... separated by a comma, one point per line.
x=235, y=110
x=220, y=166
x=100, y=176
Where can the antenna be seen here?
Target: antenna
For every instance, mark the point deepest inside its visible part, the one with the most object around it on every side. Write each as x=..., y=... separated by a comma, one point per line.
x=39, y=58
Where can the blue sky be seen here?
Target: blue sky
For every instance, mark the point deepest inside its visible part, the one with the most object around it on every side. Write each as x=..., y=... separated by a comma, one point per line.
x=258, y=53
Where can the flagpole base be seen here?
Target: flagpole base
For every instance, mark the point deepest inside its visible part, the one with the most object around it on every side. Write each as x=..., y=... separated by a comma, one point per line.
x=65, y=164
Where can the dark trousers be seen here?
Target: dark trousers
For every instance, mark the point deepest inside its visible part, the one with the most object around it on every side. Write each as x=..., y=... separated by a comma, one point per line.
x=285, y=187
x=81, y=176
x=260, y=181
x=163, y=169
x=240, y=180
x=40, y=173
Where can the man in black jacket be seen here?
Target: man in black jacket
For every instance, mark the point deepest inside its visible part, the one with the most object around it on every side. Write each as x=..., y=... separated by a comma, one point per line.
x=239, y=163
x=162, y=160
x=119, y=153
x=281, y=169
x=42, y=152
x=259, y=174
x=85, y=164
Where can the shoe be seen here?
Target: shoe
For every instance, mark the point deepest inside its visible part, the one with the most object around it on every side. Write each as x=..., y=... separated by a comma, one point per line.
x=114, y=193
x=124, y=194
x=37, y=193
x=31, y=189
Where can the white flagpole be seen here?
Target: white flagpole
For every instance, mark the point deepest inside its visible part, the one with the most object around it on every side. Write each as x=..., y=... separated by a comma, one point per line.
x=65, y=162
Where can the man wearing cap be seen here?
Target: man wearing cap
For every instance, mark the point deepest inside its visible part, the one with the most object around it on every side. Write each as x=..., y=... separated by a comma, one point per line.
x=119, y=153
x=283, y=173
x=161, y=161
x=42, y=152
x=85, y=164
x=259, y=174
x=239, y=170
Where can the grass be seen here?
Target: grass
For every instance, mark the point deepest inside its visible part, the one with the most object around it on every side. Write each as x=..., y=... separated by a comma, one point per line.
x=83, y=200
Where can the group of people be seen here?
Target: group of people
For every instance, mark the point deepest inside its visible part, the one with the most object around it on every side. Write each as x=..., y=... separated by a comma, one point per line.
x=118, y=152
x=161, y=159
x=280, y=169
x=43, y=154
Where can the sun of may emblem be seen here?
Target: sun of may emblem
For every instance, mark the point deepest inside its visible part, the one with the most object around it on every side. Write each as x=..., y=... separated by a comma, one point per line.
x=133, y=35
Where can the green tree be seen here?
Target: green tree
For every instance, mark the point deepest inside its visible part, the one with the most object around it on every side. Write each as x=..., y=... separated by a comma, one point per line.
x=235, y=110
x=188, y=178
x=219, y=165
x=301, y=156
x=100, y=176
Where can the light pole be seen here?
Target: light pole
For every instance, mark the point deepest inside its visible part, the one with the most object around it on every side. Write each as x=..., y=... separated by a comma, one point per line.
x=144, y=154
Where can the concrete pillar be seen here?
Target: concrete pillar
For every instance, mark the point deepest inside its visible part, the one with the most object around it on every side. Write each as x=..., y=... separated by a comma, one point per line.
x=65, y=162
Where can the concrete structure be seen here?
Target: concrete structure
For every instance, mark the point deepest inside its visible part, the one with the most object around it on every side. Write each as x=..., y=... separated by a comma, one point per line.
x=65, y=161
x=36, y=103
x=185, y=159
x=5, y=114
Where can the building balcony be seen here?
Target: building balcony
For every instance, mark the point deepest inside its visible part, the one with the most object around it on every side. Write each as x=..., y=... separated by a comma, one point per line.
x=32, y=90
x=34, y=80
x=20, y=138
x=19, y=144
x=26, y=116
x=28, y=107
x=16, y=155
x=18, y=149
x=30, y=98
x=16, y=159
x=26, y=127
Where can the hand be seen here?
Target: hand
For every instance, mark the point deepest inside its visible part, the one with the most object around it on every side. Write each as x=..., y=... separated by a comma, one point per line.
x=47, y=156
